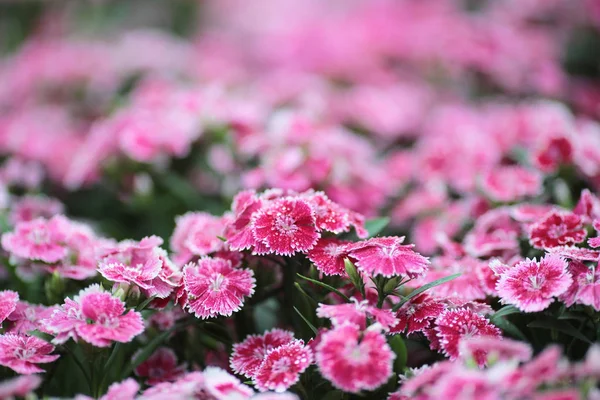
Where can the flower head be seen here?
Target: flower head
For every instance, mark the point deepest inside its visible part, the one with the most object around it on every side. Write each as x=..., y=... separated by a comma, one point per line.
x=354, y=360
x=585, y=288
x=282, y=366
x=356, y=313
x=8, y=303
x=495, y=349
x=286, y=226
x=557, y=229
x=197, y=234
x=22, y=353
x=328, y=255
x=214, y=287
x=510, y=183
x=161, y=366
x=20, y=386
x=531, y=286
x=417, y=314
x=249, y=354
x=39, y=239
x=388, y=257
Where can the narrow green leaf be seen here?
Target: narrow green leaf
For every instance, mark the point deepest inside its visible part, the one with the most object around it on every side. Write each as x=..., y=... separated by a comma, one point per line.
x=144, y=303
x=423, y=288
x=560, y=326
x=310, y=299
x=325, y=286
x=504, y=311
x=399, y=347
x=376, y=225
x=510, y=328
x=311, y=326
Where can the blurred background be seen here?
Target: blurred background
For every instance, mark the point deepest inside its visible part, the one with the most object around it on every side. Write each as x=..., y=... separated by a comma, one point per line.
x=133, y=112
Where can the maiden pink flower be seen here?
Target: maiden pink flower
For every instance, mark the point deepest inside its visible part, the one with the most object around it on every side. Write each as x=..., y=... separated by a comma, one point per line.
x=239, y=233
x=328, y=255
x=388, y=257
x=28, y=317
x=21, y=386
x=585, y=288
x=8, y=303
x=557, y=229
x=417, y=314
x=126, y=390
x=329, y=216
x=96, y=317
x=214, y=287
x=595, y=241
x=354, y=360
x=161, y=366
x=531, y=286
x=22, y=353
x=39, y=239
x=510, y=183
x=221, y=385
x=197, y=234
x=249, y=354
x=356, y=313
x=286, y=226
x=28, y=208
x=495, y=349
x=282, y=366
x=454, y=325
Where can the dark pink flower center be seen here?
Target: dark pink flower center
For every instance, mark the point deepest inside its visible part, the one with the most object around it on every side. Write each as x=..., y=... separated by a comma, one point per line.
x=281, y=366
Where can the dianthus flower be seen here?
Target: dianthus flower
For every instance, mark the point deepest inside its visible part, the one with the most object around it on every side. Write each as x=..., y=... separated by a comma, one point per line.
x=161, y=366
x=249, y=354
x=329, y=216
x=197, y=234
x=221, y=385
x=417, y=314
x=388, y=257
x=282, y=366
x=143, y=264
x=356, y=313
x=454, y=325
x=328, y=255
x=39, y=239
x=286, y=226
x=510, y=183
x=20, y=386
x=8, y=303
x=22, y=353
x=238, y=232
x=96, y=317
x=531, y=286
x=557, y=229
x=354, y=360
x=28, y=208
x=495, y=348
x=595, y=241
x=585, y=288
x=214, y=287
x=126, y=390
x=28, y=317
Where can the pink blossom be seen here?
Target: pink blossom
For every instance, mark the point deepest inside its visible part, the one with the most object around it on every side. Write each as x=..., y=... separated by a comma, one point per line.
x=557, y=229
x=214, y=287
x=495, y=349
x=585, y=288
x=39, y=239
x=465, y=385
x=222, y=386
x=417, y=314
x=511, y=183
x=356, y=313
x=28, y=208
x=328, y=255
x=531, y=286
x=21, y=386
x=286, y=226
x=143, y=264
x=125, y=390
x=197, y=234
x=595, y=241
x=454, y=325
x=554, y=152
x=249, y=354
x=588, y=206
x=329, y=216
x=354, y=360
x=282, y=366
x=576, y=253
x=161, y=366
x=239, y=233
x=96, y=317
x=22, y=353
x=28, y=317
x=8, y=303
x=388, y=257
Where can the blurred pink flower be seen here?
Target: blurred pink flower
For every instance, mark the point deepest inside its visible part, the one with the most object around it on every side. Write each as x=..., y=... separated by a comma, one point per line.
x=282, y=366
x=22, y=353
x=248, y=355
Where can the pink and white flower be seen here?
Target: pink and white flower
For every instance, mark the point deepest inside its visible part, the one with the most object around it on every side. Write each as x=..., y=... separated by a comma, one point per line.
x=357, y=313
x=39, y=239
x=8, y=303
x=197, y=234
x=557, y=229
x=328, y=255
x=585, y=288
x=22, y=353
x=249, y=354
x=161, y=366
x=417, y=314
x=510, y=183
x=214, y=287
x=21, y=386
x=282, y=366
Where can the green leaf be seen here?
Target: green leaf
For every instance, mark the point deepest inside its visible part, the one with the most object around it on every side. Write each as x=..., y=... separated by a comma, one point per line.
x=144, y=303
x=325, y=286
x=311, y=326
x=560, y=326
x=376, y=225
x=399, y=347
x=310, y=299
x=504, y=311
x=423, y=288
x=510, y=328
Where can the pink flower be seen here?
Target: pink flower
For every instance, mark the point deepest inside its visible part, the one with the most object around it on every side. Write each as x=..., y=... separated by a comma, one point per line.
x=286, y=226
x=510, y=183
x=388, y=257
x=576, y=253
x=197, y=234
x=20, y=386
x=220, y=385
x=454, y=325
x=554, y=152
x=275, y=396
x=557, y=229
x=585, y=288
x=126, y=390
x=143, y=264
x=356, y=313
x=161, y=366
x=39, y=239
x=354, y=360
x=214, y=287
x=595, y=241
x=531, y=286
x=28, y=317
x=417, y=314
x=249, y=354
x=329, y=216
x=588, y=206
x=495, y=349
x=96, y=317
x=8, y=303
x=22, y=353
x=282, y=366
x=328, y=255
x=28, y=208
x=239, y=233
